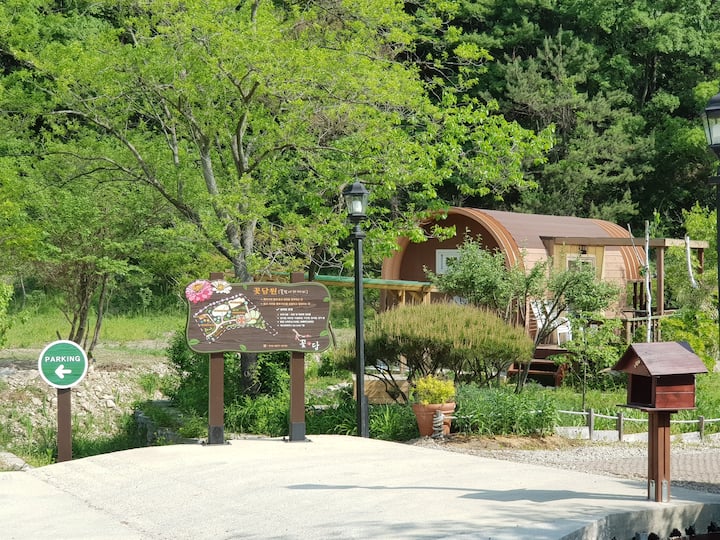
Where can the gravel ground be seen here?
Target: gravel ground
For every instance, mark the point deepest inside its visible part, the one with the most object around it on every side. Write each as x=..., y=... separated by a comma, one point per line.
x=693, y=465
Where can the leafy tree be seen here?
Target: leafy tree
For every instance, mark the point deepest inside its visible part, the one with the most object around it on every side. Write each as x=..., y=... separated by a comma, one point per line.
x=248, y=120
x=195, y=100
x=483, y=279
x=621, y=83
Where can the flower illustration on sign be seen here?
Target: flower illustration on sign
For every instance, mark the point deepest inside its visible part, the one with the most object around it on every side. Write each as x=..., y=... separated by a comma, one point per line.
x=198, y=291
x=221, y=287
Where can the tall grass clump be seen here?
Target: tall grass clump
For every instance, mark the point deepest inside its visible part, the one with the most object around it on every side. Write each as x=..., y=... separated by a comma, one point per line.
x=501, y=411
x=337, y=419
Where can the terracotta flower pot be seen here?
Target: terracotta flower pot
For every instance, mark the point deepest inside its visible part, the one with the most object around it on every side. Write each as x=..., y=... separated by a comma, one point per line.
x=425, y=414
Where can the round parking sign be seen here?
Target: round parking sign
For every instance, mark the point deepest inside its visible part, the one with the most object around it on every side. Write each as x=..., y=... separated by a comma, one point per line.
x=63, y=364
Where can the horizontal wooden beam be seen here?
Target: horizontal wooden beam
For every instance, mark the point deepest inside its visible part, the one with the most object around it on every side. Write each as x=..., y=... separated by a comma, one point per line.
x=613, y=242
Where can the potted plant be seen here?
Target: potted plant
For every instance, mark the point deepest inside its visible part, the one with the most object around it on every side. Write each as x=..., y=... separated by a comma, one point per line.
x=431, y=394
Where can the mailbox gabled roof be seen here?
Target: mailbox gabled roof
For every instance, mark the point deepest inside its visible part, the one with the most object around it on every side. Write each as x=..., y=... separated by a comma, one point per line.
x=661, y=358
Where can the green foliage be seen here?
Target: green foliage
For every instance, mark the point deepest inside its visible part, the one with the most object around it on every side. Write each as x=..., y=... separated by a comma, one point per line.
x=500, y=411
x=261, y=415
x=393, y=422
x=332, y=365
x=430, y=338
x=594, y=349
x=6, y=293
x=707, y=398
x=193, y=427
x=580, y=292
x=484, y=280
x=189, y=384
x=337, y=419
x=432, y=390
x=698, y=329
x=698, y=293
x=273, y=373
x=195, y=139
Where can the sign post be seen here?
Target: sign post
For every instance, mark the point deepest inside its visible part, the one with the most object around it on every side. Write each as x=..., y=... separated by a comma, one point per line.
x=63, y=364
x=253, y=318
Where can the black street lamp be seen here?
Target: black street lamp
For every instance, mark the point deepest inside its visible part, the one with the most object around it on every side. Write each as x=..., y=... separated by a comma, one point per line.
x=356, y=200
x=711, y=123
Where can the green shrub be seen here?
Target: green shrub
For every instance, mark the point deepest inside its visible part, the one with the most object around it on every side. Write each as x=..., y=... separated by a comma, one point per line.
x=696, y=327
x=6, y=292
x=432, y=389
x=193, y=427
x=189, y=388
x=333, y=362
x=394, y=422
x=261, y=415
x=472, y=343
x=500, y=411
x=338, y=419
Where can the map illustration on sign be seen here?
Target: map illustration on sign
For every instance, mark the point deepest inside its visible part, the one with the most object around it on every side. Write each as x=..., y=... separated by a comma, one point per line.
x=257, y=317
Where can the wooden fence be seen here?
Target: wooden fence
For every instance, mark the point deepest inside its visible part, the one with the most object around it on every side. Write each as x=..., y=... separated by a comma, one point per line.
x=620, y=419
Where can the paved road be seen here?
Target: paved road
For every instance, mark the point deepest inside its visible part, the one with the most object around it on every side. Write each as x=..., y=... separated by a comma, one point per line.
x=332, y=487
x=699, y=470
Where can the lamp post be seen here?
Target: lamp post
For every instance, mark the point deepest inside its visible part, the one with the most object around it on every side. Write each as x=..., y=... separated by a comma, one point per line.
x=356, y=199
x=711, y=123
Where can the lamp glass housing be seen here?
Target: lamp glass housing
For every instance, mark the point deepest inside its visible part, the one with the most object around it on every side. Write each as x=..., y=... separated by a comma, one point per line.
x=356, y=200
x=711, y=123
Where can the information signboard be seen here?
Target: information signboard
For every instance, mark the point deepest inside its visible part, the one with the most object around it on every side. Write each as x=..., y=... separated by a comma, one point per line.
x=63, y=364
x=257, y=317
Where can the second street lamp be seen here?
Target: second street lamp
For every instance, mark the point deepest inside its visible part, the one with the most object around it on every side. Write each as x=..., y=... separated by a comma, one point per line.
x=711, y=123
x=356, y=199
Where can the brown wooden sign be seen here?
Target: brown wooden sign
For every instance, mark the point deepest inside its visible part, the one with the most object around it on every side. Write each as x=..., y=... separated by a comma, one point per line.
x=257, y=317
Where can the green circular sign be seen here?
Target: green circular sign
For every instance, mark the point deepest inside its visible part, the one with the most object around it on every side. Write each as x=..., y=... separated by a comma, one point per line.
x=62, y=364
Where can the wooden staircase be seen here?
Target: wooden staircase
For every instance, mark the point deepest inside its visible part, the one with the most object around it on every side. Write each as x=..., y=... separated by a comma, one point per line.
x=543, y=369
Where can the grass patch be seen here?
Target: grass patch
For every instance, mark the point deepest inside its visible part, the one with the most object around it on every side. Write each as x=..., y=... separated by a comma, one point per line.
x=40, y=328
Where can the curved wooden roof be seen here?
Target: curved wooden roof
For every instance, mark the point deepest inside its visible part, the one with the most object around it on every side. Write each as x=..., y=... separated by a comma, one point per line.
x=514, y=232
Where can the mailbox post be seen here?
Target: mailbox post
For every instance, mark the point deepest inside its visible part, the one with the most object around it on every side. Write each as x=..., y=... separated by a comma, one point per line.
x=661, y=381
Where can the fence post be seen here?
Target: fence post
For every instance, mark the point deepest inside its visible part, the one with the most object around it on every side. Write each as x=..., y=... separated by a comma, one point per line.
x=701, y=427
x=591, y=423
x=620, y=425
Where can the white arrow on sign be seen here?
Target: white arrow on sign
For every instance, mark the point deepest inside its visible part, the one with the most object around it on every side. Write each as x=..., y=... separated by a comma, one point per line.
x=61, y=371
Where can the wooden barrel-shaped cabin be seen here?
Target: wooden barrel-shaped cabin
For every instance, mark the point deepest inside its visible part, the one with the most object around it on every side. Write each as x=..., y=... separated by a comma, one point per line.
x=524, y=239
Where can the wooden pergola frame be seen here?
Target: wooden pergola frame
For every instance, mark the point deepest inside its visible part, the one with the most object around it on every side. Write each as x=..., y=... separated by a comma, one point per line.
x=660, y=245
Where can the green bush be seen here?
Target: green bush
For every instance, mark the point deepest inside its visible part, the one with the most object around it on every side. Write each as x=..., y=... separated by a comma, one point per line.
x=394, y=422
x=432, y=389
x=500, y=411
x=6, y=292
x=188, y=386
x=338, y=419
x=472, y=343
x=696, y=327
x=260, y=415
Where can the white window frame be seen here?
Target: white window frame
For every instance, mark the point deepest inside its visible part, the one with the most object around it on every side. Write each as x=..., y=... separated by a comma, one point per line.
x=584, y=259
x=441, y=259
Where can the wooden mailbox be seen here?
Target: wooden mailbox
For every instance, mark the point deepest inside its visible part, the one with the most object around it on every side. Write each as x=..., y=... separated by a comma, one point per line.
x=661, y=376
x=661, y=381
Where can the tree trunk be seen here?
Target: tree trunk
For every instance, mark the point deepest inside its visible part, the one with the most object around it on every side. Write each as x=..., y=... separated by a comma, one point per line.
x=100, y=315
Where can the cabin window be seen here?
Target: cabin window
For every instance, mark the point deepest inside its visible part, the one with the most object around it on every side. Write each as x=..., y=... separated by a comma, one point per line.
x=442, y=259
x=578, y=262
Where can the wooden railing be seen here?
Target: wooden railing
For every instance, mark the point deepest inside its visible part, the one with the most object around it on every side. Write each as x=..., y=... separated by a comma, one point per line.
x=633, y=324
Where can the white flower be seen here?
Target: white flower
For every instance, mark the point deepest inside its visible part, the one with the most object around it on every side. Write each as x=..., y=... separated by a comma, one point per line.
x=221, y=286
